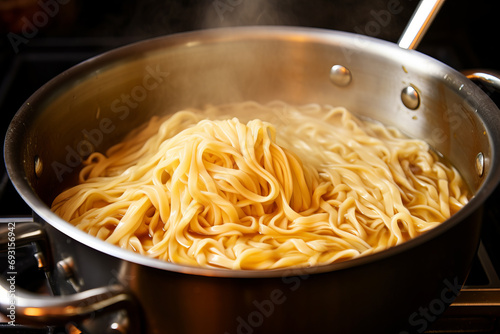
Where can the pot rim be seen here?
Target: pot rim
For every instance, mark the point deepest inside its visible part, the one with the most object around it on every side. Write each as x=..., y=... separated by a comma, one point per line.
x=14, y=134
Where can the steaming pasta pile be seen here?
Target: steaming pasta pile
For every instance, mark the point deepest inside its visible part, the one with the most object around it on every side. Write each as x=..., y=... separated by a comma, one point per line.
x=250, y=186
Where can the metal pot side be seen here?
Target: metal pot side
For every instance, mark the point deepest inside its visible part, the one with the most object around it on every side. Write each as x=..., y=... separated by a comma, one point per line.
x=94, y=104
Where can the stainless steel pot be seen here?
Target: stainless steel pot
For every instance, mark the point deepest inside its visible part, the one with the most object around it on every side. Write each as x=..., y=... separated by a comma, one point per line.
x=94, y=104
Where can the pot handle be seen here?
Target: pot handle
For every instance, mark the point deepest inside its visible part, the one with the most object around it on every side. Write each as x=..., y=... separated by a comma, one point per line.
x=420, y=21
x=35, y=309
x=60, y=310
x=489, y=79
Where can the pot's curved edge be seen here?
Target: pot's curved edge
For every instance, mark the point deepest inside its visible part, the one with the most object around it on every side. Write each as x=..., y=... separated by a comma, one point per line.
x=13, y=159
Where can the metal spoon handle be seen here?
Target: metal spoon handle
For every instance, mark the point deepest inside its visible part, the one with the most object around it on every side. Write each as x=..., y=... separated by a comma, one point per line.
x=419, y=23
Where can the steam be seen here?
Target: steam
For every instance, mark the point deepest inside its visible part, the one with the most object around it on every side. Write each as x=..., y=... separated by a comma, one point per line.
x=383, y=19
x=225, y=13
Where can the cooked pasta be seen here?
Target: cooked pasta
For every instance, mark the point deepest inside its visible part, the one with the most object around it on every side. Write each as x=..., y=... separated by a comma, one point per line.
x=251, y=186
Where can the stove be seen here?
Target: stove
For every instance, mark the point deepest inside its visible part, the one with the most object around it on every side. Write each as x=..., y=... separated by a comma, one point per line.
x=55, y=35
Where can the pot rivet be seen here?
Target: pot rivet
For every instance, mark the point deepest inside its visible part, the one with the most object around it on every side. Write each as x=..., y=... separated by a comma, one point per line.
x=410, y=97
x=340, y=75
x=38, y=166
x=480, y=164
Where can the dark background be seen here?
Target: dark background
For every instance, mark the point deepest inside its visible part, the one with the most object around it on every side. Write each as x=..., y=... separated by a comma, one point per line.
x=469, y=29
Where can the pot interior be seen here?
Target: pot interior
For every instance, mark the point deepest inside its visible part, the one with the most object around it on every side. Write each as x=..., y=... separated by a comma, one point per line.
x=93, y=105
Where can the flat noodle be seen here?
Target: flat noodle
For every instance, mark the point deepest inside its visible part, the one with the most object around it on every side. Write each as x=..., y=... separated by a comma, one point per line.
x=310, y=185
